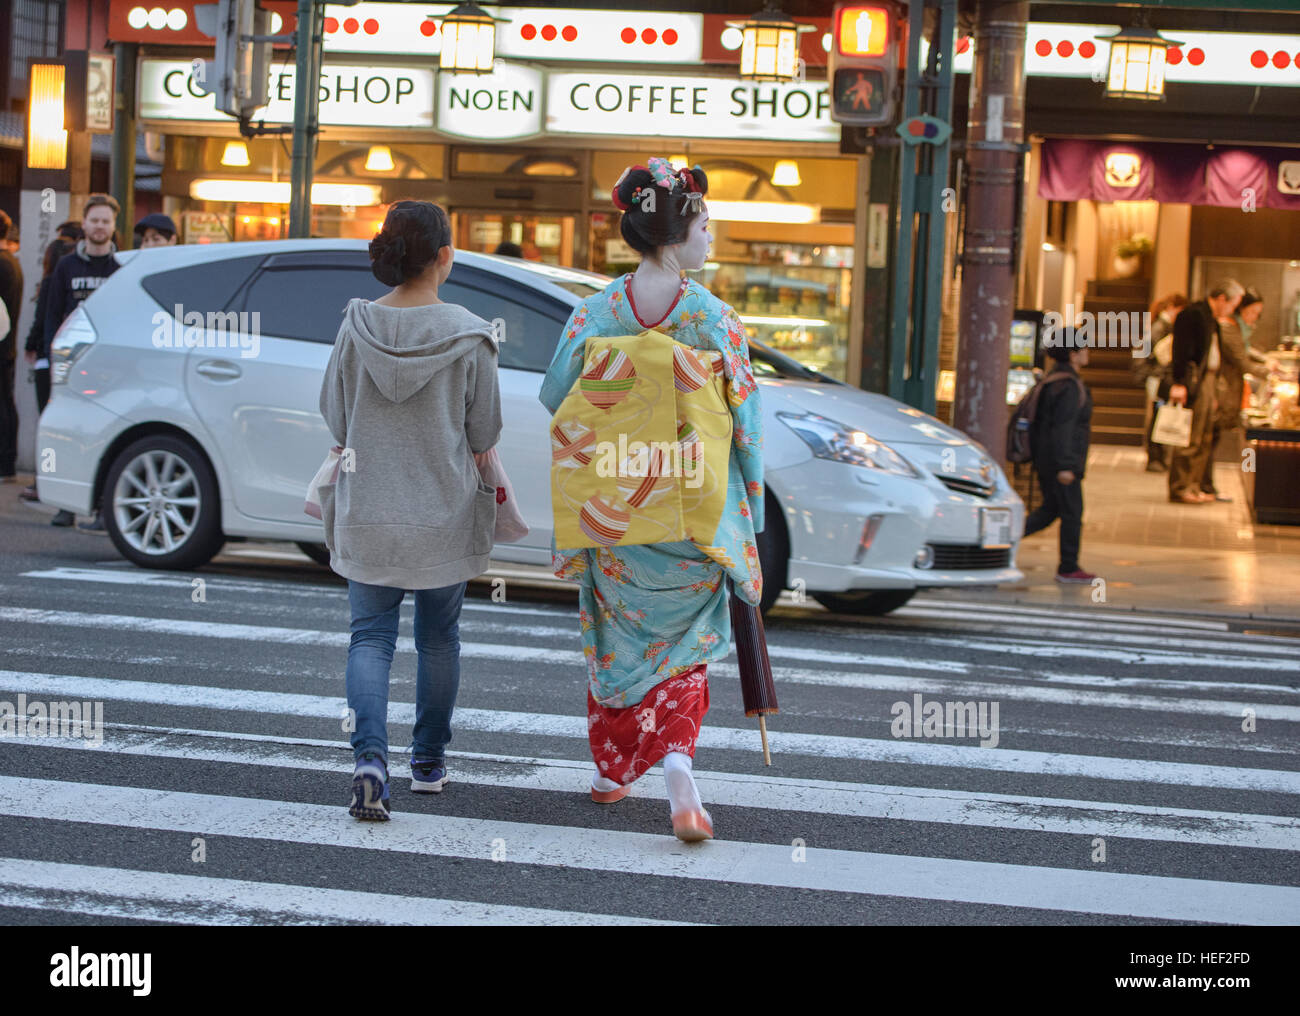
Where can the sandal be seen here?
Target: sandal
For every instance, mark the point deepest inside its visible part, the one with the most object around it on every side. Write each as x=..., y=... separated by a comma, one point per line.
x=693, y=826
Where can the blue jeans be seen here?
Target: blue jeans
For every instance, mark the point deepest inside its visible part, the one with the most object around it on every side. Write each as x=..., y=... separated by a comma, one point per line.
x=375, y=612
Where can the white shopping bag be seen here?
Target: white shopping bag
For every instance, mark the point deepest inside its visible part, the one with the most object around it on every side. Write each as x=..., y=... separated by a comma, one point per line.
x=1173, y=426
x=327, y=474
x=510, y=527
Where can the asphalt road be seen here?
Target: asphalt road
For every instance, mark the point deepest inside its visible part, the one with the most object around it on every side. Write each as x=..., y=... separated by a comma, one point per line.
x=1122, y=788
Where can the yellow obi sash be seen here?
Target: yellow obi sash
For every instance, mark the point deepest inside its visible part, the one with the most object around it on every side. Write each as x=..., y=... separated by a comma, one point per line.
x=641, y=445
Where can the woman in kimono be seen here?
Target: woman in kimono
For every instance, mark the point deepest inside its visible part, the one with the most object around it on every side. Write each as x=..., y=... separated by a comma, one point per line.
x=653, y=616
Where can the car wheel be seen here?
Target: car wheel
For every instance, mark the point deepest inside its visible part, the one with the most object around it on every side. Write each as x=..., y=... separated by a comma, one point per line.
x=160, y=504
x=773, y=552
x=318, y=552
x=865, y=602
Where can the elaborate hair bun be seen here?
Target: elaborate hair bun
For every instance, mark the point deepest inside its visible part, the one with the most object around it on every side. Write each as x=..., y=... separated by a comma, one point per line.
x=647, y=225
x=386, y=254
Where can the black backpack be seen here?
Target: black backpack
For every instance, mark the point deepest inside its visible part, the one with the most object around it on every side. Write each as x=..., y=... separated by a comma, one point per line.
x=1020, y=429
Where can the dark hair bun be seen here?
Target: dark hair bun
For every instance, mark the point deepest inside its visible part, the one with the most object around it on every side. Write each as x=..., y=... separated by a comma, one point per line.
x=412, y=234
x=668, y=220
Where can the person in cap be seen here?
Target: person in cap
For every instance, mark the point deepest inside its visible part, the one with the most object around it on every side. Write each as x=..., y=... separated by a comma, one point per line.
x=155, y=230
x=1061, y=431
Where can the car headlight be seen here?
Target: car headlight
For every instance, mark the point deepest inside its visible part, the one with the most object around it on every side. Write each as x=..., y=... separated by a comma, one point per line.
x=839, y=443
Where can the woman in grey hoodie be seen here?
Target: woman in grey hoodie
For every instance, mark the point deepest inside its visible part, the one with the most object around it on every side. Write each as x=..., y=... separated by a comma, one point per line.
x=411, y=394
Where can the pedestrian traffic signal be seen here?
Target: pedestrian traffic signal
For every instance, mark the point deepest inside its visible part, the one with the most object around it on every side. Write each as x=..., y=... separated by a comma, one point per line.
x=863, y=70
x=239, y=76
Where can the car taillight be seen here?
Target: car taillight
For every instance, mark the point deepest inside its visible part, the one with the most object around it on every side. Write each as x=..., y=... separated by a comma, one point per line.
x=73, y=338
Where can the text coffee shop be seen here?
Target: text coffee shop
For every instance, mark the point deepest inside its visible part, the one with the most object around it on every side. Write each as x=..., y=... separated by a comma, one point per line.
x=529, y=152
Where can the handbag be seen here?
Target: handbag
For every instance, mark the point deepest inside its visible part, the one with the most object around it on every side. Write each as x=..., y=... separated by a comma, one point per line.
x=327, y=473
x=510, y=525
x=1173, y=426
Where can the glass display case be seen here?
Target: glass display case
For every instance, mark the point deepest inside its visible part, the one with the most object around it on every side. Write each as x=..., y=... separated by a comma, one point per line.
x=795, y=300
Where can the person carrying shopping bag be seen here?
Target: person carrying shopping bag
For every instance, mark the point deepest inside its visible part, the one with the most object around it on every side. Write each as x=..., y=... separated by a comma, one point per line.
x=654, y=615
x=411, y=395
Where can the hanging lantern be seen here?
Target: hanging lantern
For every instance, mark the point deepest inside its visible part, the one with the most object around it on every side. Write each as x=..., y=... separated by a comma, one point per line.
x=468, y=39
x=769, y=49
x=1137, y=63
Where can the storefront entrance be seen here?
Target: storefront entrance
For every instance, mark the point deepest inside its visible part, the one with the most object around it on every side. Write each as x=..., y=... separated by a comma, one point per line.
x=540, y=237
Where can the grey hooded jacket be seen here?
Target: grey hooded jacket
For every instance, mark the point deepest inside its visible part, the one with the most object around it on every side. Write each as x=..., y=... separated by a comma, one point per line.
x=411, y=393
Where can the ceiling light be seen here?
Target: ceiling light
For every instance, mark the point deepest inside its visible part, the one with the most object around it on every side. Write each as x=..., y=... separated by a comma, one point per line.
x=236, y=154
x=786, y=174
x=379, y=159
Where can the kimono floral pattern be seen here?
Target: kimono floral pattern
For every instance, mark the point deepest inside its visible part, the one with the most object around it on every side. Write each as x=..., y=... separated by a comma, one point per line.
x=652, y=617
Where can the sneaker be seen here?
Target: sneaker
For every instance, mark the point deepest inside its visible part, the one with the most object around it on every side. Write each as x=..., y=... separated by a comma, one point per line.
x=28, y=493
x=63, y=518
x=1079, y=577
x=428, y=776
x=370, y=789
x=95, y=525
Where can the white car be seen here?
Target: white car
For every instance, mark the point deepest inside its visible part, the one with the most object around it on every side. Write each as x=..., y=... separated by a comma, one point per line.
x=185, y=395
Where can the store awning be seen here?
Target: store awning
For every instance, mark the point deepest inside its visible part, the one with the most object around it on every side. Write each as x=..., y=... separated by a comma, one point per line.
x=1227, y=176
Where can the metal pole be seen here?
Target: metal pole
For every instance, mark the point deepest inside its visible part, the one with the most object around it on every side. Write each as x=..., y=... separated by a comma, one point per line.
x=995, y=133
x=306, y=108
x=122, y=171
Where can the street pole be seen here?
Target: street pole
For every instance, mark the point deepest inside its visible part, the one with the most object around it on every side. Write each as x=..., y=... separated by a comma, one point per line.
x=306, y=113
x=990, y=248
x=122, y=171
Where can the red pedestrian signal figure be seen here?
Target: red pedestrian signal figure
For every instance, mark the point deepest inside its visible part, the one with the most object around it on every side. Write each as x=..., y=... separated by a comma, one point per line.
x=859, y=94
x=864, y=61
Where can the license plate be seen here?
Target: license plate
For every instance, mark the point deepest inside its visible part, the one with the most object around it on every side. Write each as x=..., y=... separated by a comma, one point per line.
x=995, y=528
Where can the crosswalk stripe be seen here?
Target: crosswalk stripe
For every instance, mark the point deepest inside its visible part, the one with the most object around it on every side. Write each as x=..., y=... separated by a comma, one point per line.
x=922, y=752
x=891, y=683
x=741, y=790
x=722, y=861
x=1017, y=613
x=197, y=899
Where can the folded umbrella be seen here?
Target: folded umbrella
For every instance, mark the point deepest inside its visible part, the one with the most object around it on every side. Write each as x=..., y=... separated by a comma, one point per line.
x=756, y=687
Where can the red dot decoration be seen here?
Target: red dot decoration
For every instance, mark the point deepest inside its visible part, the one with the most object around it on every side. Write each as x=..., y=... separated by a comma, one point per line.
x=1297, y=60
x=350, y=26
x=1043, y=48
x=371, y=26
x=1174, y=57
x=332, y=25
x=529, y=32
x=670, y=36
x=963, y=44
x=628, y=35
x=548, y=33
x=916, y=128
x=1065, y=47
x=649, y=35
x=1259, y=58
x=1087, y=50
x=568, y=33
x=1281, y=60
x=1196, y=56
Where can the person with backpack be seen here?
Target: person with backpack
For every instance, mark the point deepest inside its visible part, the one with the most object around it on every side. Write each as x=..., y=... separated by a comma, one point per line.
x=1059, y=432
x=411, y=395
x=654, y=615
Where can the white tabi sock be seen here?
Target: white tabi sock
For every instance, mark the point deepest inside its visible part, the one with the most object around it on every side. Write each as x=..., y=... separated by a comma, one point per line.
x=682, y=794
x=603, y=783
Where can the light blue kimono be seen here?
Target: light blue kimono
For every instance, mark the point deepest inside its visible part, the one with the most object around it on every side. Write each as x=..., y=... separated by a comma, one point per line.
x=649, y=612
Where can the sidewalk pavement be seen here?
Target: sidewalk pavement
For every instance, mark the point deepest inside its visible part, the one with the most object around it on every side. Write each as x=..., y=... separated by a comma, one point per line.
x=1157, y=556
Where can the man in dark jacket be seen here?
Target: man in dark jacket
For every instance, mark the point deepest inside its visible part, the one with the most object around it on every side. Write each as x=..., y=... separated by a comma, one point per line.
x=1059, y=439
x=1194, y=376
x=11, y=293
x=75, y=278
